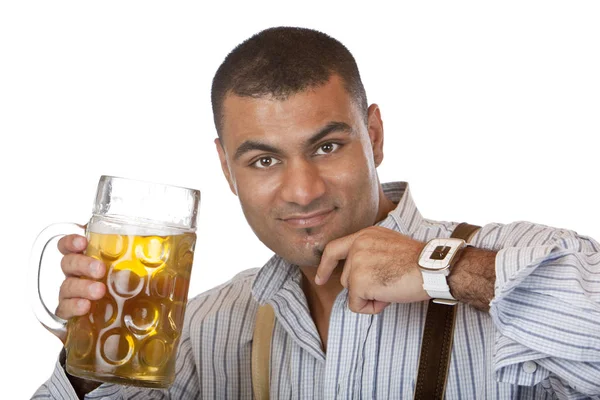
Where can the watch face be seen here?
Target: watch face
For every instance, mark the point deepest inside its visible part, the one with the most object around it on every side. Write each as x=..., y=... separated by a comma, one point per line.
x=438, y=253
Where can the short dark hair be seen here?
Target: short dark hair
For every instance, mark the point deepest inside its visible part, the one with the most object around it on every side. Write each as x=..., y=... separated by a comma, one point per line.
x=283, y=61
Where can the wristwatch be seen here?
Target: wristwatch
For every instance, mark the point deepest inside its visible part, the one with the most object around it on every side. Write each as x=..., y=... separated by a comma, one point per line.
x=435, y=262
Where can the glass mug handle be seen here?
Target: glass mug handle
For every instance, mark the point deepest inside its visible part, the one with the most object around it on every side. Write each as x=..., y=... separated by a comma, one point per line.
x=54, y=324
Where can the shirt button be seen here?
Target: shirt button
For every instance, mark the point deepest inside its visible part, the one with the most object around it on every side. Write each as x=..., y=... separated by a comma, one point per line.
x=529, y=367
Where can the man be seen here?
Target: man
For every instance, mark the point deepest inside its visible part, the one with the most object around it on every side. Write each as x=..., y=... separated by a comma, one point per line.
x=299, y=146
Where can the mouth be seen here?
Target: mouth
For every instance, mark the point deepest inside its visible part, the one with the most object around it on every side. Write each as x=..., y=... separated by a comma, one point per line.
x=310, y=220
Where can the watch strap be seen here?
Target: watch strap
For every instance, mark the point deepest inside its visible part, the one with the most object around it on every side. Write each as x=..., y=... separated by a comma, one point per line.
x=437, y=287
x=438, y=333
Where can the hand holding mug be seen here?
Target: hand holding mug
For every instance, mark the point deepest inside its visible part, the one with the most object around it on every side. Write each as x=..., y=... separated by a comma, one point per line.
x=122, y=302
x=82, y=273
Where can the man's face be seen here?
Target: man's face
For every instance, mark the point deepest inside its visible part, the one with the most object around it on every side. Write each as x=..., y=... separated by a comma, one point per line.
x=304, y=168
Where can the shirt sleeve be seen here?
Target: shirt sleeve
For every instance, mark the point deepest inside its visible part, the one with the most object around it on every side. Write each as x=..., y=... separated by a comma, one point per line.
x=57, y=387
x=547, y=309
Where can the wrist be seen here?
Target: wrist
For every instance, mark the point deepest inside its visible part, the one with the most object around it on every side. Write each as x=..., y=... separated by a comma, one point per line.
x=472, y=278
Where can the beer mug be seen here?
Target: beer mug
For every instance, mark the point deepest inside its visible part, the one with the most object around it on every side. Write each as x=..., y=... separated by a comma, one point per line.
x=145, y=235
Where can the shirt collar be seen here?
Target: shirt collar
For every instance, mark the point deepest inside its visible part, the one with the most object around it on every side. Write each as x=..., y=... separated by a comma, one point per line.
x=405, y=218
x=406, y=215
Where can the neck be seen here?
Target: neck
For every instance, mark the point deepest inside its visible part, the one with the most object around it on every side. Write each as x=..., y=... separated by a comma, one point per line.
x=321, y=296
x=385, y=206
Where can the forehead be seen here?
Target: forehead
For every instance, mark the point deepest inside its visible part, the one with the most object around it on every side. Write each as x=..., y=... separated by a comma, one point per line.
x=267, y=118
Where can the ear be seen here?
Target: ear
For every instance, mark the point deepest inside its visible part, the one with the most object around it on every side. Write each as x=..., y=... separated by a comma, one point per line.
x=225, y=166
x=375, y=128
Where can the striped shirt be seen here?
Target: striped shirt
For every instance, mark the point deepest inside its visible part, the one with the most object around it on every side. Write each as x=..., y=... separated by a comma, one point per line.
x=540, y=340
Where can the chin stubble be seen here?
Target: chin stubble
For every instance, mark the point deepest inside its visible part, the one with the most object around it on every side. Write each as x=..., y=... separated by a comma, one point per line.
x=318, y=253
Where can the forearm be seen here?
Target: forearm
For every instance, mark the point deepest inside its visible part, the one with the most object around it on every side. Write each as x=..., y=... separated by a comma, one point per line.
x=472, y=278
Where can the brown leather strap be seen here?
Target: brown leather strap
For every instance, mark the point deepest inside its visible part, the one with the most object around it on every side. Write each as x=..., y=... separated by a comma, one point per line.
x=465, y=231
x=436, y=345
x=436, y=348
x=261, y=351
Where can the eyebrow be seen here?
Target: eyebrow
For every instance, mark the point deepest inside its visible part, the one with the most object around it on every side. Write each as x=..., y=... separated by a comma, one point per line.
x=251, y=145
x=327, y=129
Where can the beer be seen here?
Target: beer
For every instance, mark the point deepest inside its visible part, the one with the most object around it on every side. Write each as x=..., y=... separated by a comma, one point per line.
x=132, y=333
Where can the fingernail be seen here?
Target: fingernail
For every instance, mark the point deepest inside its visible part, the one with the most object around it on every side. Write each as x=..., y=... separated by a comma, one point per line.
x=318, y=280
x=79, y=242
x=95, y=289
x=95, y=269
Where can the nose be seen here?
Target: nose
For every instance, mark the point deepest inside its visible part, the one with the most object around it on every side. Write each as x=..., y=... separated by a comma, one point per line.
x=302, y=183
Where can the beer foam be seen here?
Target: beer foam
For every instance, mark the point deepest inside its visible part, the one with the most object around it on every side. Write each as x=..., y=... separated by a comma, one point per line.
x=105, y=227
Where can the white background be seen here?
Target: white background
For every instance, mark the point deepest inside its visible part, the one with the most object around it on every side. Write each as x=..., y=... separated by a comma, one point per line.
x=491, y=111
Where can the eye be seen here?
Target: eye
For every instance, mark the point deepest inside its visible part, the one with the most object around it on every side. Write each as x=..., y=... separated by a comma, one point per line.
x=265, y=162
x=327, y=148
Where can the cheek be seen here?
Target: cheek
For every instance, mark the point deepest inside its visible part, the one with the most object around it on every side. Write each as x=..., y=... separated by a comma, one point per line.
x=353, y=172
x=256, y=195
x=358, y=183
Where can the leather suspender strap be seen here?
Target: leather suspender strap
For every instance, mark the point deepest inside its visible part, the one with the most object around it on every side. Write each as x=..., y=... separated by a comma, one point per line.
x=465, y=231
x=261, y=351
x=436, y=345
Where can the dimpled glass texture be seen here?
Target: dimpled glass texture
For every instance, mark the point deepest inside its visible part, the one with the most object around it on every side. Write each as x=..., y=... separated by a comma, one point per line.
x=131, y=335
